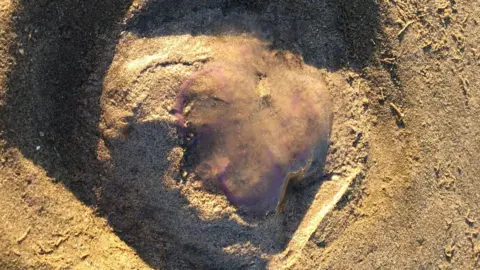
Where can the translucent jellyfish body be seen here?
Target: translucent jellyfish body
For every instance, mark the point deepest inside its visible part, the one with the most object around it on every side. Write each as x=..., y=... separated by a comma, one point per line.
x=255, y=121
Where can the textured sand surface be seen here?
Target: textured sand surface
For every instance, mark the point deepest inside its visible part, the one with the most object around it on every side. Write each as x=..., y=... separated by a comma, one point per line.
x=95, y=173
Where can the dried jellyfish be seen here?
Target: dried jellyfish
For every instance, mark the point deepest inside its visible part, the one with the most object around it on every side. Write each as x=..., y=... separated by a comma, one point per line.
x=254, y=125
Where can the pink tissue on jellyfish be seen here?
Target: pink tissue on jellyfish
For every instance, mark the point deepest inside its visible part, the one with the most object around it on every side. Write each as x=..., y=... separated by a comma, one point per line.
x=248, y=192
x=182, y=94
x=252, y=193
x=233, y=139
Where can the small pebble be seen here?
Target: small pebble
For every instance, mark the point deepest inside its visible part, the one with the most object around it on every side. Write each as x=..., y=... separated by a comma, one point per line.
x=217, y=210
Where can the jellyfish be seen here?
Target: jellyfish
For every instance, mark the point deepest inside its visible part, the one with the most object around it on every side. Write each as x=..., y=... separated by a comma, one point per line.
x=254, y=126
